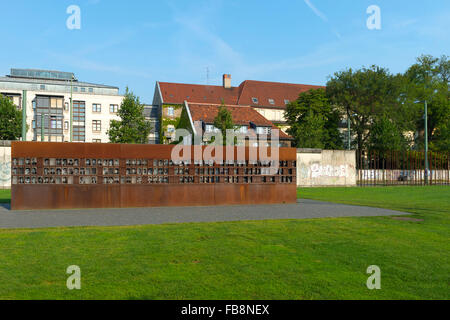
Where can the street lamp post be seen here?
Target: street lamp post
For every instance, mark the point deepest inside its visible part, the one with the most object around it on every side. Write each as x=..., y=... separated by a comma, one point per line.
x=24, y=115
x=71, y=108
x=426, y=142
x=42, y=127
x=425, y=117
x=348, y=130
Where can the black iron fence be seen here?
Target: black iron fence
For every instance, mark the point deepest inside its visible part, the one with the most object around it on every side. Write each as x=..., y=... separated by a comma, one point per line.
x=402, y=168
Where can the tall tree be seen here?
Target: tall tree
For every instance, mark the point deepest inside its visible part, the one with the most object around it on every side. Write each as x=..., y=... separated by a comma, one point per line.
x=313, y=121
x=385, y=135
x=223, y=121
x=10, y=120
x=365, y=94
x=428, y=80
x=132, y=126
x=441, y=137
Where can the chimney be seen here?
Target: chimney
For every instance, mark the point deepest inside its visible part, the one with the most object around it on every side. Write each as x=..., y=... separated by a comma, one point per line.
x=227, y=81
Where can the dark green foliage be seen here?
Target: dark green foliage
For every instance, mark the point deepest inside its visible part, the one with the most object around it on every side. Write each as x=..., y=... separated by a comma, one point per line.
x=132, y=128
x=441, y=137
x=428, y=80
x=223, y=121
x=10, y=120
x=366, y=94
x=313, y=121
x=386, y=135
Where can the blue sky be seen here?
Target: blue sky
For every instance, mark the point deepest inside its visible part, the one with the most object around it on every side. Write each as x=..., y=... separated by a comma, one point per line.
x=136, y=43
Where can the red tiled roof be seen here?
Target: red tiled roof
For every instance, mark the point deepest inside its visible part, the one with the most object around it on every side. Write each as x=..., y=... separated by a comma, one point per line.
x=177, y=93
x=242, y=115
x=278, y=92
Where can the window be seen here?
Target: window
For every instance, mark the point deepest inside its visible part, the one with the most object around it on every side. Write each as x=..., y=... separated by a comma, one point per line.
x=16, y=99
x=170, y=111
x=75, y=89
x=263, y=130
x=255, y=100
x=79, y=133
x=96, y=125
x=55, y=123
x=97, y=140
x=33, y=123
x=277, y=115
x=91, y=90
x=79, y=110
x=56, y=103
x=83, y=89
x=42, y=87
x=42, y=102
x=209, y=128
x=113, y=108
x=271, y=101
x=66, y=125
x=243, y=129
x=286, y=101
x=96, y=107
x=66, y=106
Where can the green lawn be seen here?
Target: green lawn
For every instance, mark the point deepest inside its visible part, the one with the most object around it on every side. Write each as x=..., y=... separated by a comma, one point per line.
x=424, y=201
x=5, y=196
x=305, y=259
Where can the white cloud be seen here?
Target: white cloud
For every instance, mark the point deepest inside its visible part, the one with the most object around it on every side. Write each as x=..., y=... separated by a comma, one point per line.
x=200, y=47
x=322, y=16
x=316, y=11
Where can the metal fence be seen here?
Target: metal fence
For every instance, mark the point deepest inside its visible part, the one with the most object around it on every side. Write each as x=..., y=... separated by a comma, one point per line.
x=402, y=168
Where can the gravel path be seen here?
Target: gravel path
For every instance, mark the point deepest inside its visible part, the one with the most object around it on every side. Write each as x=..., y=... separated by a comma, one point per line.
x=303, y=209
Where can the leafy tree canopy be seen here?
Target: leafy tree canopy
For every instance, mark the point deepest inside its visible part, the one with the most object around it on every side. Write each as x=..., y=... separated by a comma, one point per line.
x=386, y=135
x=428, y=80
x=10, y=120
x=223, y=121
x=132, y=126
x=364, y=95
x=313, y=121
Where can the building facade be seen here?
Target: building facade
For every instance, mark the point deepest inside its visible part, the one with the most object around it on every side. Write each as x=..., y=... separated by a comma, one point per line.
x=268, y=98
x=254, y=129
x=47, y=95
x=152, y=114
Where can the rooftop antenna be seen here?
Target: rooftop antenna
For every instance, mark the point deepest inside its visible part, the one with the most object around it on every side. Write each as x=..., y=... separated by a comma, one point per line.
x=207, y=75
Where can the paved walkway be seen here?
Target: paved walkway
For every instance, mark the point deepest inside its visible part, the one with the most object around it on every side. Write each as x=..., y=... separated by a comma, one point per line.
x=304, y=209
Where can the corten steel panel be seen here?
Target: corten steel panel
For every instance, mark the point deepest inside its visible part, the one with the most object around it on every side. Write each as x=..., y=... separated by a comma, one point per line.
x=109, y=150
x=121, y=195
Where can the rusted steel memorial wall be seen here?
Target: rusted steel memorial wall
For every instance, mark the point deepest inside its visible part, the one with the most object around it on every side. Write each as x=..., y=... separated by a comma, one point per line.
x=47, y=175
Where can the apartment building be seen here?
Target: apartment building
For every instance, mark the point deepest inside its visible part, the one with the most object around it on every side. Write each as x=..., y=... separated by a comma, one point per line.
x=198, y=118
x=151, y=113
x=46, y=96
x=268, y=98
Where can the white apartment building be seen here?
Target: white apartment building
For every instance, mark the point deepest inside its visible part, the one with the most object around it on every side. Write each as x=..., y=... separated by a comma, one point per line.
x=47, y=95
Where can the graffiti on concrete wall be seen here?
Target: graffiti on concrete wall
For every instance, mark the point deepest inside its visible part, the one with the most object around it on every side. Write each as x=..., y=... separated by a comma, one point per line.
x=5, y=173
x=329, y=168
x=318, y=171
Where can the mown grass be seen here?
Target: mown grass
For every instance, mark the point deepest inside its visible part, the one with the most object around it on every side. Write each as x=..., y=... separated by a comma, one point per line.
x=425, y=201
x=5, y=195
x=304, y=259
